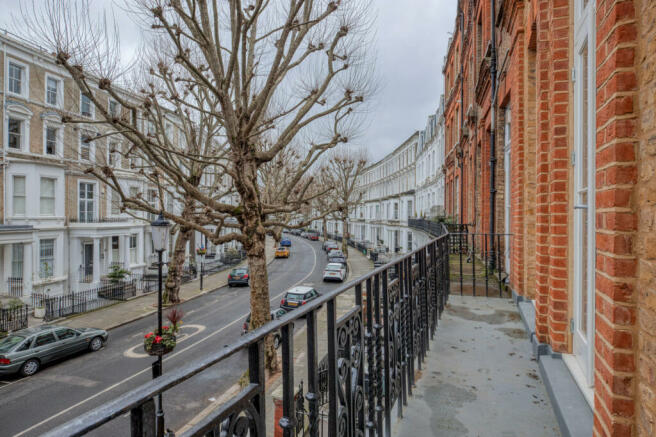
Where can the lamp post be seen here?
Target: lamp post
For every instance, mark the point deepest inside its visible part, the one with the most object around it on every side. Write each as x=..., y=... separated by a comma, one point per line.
x=160, y=234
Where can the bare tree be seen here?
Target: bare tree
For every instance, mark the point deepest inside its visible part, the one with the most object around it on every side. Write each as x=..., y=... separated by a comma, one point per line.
x=262, y=75
x=341, y=171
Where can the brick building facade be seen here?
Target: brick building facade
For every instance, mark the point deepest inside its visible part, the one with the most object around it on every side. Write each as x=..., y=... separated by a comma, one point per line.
x=575, y=181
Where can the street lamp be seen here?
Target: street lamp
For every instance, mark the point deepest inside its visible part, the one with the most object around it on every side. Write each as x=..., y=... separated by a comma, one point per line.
x=160, y=234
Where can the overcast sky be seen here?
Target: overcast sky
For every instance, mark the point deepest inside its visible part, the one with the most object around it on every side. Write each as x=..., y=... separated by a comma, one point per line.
x=411, y=41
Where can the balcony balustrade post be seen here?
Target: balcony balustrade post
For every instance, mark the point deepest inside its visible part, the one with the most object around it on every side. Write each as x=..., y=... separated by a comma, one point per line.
x=360, y=381
x=371, y=365
x=378, y=381
x=142, y=420
x=403, y=302
x=410, y=325
x=332, y=368
x=256, y=376
x=288, y=420
x=313, y=387
x=386, y=358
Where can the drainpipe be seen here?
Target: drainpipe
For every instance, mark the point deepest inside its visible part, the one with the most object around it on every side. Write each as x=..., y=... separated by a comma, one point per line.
x=493, y=126
x=4, y=146
x=462, y=112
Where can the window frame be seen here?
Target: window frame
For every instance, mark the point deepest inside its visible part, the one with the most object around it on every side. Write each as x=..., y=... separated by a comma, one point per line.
x=51, y=257
x=13, y=195
x=60, y=91
x=59, y=140
x=91, y=145
x=92, y=108
x=95, y=205
x=25, y=81
x=54, y=196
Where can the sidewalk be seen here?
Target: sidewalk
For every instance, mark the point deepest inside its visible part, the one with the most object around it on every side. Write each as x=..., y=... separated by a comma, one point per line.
x=479, y=378
x=125, y=312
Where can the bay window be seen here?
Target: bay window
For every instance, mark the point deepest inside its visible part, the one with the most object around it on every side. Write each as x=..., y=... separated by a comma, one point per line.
x=19, y=195
x=47, y=197
x=46, y=258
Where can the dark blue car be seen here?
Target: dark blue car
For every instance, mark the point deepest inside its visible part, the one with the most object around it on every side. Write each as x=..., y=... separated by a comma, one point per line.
x=286, y=242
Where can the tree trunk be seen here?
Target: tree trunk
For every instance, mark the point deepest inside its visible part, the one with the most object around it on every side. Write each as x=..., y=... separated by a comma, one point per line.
x=325, y=229
x=260, y=302
x=176, y=262
x=344, y=237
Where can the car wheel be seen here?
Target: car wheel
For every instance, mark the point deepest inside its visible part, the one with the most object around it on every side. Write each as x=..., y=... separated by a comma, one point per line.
x=229, y=285
x=276, y=342
x=30, y=367
x=96, y=344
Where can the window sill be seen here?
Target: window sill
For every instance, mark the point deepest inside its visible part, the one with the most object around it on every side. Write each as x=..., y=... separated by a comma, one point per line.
x=574, y=368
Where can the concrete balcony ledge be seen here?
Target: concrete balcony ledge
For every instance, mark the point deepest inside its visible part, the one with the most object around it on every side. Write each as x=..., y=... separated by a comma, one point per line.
x=479, y=378
x=573, y=412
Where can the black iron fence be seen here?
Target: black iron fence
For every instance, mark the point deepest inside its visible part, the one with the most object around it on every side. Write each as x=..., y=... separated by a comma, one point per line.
x=480, y=263
x=88, y=300
x=373, y=352
x=14, y=318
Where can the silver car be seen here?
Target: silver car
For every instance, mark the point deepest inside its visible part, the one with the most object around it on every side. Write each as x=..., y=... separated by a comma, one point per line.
x=25, y=351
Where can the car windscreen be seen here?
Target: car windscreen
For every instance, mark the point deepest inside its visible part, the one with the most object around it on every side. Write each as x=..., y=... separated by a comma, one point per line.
x=8, y=343
x=333, y=267
x=239, y=271
x=281, y=248
x=338, y=259
x=295, y=296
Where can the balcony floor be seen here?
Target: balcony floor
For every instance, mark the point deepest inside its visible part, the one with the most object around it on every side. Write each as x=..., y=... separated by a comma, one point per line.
x=479, y=378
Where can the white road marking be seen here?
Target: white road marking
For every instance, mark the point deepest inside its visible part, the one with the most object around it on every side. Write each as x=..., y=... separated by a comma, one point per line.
x=132, y=352
x=148, y=369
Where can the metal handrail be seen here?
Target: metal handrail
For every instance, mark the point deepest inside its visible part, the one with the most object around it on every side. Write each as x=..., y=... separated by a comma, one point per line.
x=411, y=288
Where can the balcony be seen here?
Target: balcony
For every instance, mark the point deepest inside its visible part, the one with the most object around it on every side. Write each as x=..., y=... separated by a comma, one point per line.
x=380, y=348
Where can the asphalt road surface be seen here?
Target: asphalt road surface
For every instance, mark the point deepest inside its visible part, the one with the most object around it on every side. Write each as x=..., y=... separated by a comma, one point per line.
x=64, y=390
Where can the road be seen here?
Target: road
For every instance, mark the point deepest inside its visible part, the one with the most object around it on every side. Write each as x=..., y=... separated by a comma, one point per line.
x=62, y=391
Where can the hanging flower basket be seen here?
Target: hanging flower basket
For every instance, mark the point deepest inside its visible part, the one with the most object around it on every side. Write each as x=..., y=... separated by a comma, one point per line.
x=158, y=345
x=201, y=251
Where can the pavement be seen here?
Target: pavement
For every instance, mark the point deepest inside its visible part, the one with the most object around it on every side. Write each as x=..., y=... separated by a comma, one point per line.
x=121, y=313
x=479, y=378
x=66, y=389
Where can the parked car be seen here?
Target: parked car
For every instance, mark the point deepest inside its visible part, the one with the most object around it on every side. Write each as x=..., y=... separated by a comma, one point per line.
x=286, y=242
x=314, y=237
x=238, y=276
x=304, y=234
x=334, y=253
x=334, y=272
x=26, y=350
x=282, y=252
x=274, y=315
x=298, y=296
x=328, y=245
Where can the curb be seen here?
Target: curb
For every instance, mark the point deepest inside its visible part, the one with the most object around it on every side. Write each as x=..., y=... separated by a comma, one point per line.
x=142, y=316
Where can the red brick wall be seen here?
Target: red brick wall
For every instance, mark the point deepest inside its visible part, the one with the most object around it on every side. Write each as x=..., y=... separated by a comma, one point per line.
x=616, y=218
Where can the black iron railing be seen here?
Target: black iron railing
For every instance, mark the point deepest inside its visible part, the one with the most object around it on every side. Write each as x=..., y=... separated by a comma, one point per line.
x=87, y=300
x=100, y=219
x=373, y=352
x=433, y=228
x=13, y=319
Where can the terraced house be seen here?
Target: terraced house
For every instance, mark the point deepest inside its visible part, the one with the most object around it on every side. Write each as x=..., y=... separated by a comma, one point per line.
x=62, y=229
x=549, y=141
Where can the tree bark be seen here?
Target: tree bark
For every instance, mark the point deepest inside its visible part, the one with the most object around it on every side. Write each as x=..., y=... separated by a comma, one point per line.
x=176, y=262
x=344, y=237
x=325, y=229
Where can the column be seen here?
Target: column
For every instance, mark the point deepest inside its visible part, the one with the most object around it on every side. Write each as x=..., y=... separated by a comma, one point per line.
x=122, y=244
x=110, y=253
x=126, y=251
x=75, y=262
x=6, y=267
x=27, y=269
x=96, y=260
x=140, y=247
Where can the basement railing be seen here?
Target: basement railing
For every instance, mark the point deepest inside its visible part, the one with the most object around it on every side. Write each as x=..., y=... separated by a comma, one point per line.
x=373, y=351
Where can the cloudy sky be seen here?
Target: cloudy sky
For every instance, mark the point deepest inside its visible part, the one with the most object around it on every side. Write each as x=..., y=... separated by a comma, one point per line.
x=411, y=41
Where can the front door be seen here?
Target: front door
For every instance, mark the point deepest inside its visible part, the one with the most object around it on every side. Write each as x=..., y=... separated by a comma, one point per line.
x=88, y=260
x=584, y=187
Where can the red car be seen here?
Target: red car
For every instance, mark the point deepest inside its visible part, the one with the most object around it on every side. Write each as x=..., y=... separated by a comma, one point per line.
x=314, y=237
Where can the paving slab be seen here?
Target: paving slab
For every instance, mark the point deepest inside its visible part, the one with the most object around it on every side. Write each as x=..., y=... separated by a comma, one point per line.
x=480, y=378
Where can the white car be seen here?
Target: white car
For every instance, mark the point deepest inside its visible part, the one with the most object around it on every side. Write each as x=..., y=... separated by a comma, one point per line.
x=334, y=272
